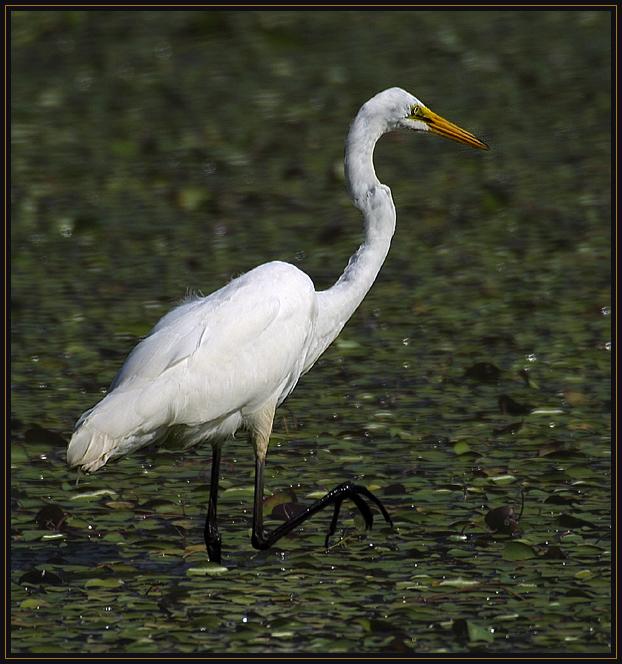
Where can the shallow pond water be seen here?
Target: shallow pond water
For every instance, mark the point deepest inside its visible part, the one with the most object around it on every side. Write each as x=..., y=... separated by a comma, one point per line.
x=156, y=152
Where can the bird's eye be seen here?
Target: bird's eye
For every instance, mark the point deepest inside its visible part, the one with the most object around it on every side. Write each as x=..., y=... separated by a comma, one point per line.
x=415, y=111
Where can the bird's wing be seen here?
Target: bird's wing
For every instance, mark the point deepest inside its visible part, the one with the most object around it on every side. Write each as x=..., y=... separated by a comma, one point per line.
x=217, y=323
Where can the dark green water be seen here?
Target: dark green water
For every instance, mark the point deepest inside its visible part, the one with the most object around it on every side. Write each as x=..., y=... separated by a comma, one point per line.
x=156, y=152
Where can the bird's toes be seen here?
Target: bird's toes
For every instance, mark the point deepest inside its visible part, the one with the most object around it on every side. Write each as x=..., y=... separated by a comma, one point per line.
x=363, y=508
x=333, y=522
x=366, y=492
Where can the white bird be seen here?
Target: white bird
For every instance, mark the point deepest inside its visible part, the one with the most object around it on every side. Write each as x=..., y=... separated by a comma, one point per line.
x=217, y=364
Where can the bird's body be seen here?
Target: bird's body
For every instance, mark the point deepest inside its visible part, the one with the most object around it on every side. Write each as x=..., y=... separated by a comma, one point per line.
x=217, y=364
x=207, y=367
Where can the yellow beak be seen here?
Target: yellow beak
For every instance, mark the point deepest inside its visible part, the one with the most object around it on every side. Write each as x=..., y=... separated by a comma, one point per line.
x=438, y=125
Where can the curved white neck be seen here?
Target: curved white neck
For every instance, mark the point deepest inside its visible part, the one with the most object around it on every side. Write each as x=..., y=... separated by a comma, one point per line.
x=359, y=158
x=373, y=199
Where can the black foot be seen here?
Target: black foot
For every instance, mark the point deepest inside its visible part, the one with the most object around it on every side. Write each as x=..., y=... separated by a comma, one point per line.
x=354, y=493
x=212, y=545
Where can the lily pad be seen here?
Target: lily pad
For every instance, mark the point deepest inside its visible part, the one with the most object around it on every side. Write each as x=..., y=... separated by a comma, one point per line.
x=518, y=551
x=208, y=570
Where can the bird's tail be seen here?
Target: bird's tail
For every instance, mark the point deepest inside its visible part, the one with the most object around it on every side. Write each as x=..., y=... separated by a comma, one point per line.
x=112, y=428
x=88, y=448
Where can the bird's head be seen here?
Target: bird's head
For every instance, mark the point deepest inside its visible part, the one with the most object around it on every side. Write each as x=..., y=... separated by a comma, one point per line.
x=401, y=110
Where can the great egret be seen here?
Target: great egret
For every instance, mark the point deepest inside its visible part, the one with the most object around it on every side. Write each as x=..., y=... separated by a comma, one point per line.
x=217, y=364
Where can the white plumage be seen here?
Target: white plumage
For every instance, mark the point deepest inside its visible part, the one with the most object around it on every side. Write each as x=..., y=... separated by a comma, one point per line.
x=205, y=367
x=223, y=362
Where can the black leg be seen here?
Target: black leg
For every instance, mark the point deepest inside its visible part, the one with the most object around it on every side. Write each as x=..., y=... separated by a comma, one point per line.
x=258, y=535
x=211, y=534
x=354, y=492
